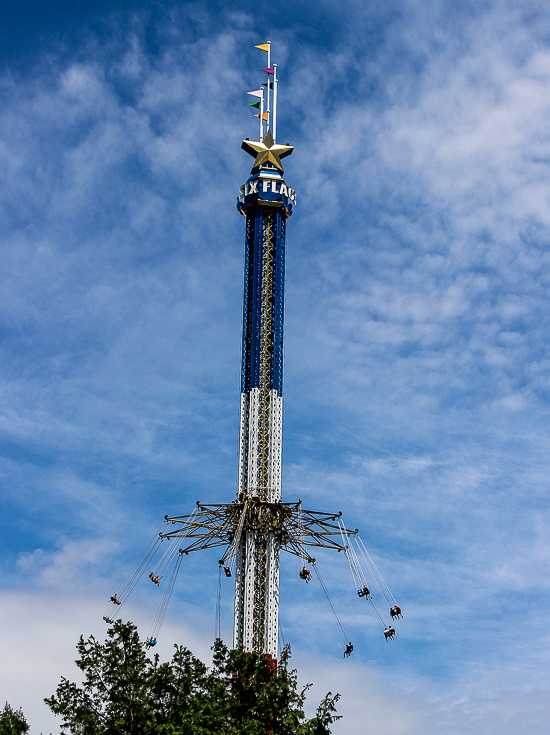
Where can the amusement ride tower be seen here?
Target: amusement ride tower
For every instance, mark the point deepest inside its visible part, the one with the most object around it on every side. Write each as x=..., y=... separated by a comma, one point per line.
x=257, y=525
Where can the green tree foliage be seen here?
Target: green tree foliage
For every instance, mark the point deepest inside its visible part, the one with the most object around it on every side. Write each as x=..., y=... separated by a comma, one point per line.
x=12, y=722
x=125, y=693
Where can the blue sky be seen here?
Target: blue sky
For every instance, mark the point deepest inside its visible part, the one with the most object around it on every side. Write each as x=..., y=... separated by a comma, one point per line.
x=417, y=371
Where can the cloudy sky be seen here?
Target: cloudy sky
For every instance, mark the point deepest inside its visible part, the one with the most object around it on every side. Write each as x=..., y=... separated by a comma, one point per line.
x=417, y=371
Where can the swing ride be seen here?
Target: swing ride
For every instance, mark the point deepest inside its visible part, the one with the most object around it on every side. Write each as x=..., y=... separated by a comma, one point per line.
x=258, y=525
x=223, y=525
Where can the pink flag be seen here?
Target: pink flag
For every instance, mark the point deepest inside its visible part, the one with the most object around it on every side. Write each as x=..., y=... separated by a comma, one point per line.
x=271, y=70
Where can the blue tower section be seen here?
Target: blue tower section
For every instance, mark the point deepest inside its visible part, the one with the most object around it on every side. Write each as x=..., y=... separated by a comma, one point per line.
x=252, y=316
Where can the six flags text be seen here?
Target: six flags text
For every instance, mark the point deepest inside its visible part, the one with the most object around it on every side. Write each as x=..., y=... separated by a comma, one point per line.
x=252, y=187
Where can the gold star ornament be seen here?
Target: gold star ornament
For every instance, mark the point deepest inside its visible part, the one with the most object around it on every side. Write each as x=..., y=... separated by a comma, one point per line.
x=267, y=153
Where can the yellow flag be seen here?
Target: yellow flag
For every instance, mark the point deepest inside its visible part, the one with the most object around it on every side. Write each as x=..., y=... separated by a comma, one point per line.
x=263, y=46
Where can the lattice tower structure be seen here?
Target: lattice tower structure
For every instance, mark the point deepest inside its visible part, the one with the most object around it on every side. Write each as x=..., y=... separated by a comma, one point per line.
x=266, y=204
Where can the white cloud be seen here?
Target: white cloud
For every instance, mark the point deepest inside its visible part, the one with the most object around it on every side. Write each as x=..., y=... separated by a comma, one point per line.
x=73, y=567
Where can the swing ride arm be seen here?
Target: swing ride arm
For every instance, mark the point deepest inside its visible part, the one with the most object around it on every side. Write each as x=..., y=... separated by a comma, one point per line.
x=220, y=525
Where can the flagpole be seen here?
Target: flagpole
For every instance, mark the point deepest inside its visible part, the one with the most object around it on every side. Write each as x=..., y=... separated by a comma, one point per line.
x=262, y=117
x=268, y=66
x=275, y=80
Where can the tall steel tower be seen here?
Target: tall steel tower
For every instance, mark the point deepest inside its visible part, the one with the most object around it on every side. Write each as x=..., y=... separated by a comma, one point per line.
x=266, y=202
x=258, y=525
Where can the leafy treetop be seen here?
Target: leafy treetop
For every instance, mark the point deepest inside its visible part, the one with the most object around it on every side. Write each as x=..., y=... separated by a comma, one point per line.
x=12, y=722
x=125, y=693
